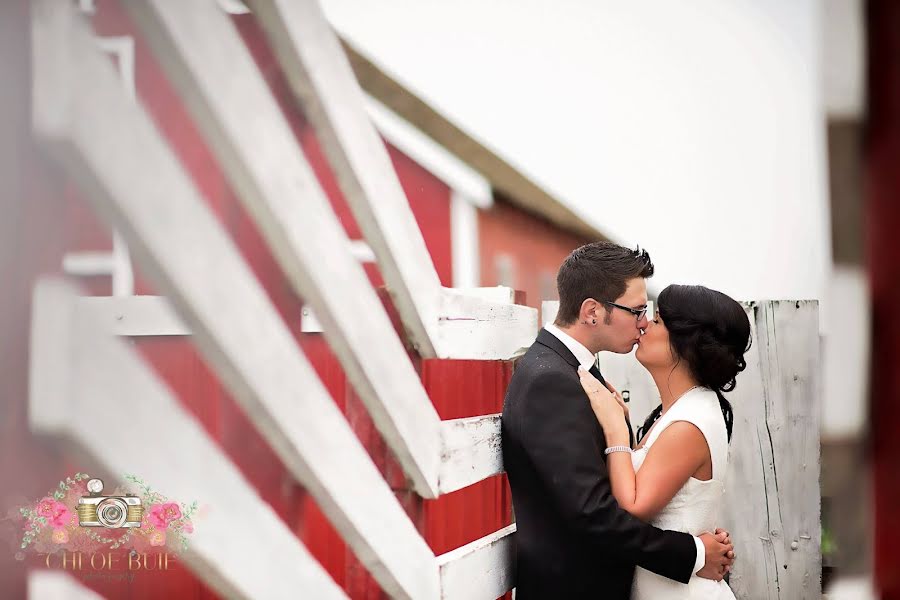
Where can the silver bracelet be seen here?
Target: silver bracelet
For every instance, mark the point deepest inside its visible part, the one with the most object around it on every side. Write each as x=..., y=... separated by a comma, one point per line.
x=612, y=449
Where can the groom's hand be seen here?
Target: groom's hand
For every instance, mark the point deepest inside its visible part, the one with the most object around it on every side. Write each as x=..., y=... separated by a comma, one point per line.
x=719, y=555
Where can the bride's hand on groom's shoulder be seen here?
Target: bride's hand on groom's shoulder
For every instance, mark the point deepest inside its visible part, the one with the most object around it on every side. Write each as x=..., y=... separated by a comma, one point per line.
x=607, y=403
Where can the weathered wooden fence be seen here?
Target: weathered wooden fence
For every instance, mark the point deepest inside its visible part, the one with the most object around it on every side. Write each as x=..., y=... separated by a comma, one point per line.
x=773, y=498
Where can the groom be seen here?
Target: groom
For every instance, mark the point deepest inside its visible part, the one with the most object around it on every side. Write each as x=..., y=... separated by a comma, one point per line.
x=572, y=538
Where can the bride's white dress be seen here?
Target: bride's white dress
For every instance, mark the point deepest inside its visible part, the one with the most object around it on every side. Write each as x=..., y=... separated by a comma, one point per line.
x=695, y=508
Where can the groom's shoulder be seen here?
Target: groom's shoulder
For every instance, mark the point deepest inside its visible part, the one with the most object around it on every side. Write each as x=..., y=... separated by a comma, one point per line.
x=539, y=361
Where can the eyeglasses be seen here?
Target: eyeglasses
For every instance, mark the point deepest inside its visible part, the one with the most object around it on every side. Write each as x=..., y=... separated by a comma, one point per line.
x=637, y=312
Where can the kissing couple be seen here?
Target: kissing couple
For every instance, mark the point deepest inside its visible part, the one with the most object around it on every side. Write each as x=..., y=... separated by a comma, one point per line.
x=601, y=512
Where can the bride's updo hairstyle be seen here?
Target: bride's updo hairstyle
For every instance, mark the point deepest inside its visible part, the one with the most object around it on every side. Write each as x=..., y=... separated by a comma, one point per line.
x=710, y=332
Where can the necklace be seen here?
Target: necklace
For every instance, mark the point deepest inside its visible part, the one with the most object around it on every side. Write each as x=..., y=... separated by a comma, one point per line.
x=646, y=435
x=684, y=393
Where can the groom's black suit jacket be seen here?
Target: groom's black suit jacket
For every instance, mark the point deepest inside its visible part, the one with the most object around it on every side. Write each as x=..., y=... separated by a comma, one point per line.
x=572, y=539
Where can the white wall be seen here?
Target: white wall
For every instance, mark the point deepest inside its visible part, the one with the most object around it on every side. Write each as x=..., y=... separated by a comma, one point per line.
x=694, y=128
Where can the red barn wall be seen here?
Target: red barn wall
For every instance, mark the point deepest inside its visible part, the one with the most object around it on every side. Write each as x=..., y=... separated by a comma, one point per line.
x=532, y=246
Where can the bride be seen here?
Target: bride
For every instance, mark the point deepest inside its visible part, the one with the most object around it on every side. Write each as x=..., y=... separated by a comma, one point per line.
x=674, y=479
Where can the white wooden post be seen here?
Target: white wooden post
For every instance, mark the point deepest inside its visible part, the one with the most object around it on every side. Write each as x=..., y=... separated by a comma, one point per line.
x=773, y=497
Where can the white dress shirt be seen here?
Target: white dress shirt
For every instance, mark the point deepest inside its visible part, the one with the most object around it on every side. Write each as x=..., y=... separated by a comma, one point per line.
x=586, y=359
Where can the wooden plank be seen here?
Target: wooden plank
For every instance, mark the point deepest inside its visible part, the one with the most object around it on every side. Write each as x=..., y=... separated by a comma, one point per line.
x=57, y=585
x=323, y=82
x=478, y=329
x=498, y=294
x=206, y=58
x=471, y=451
x=133, y=315
x=772, y=494
x=484, y=569
x=78, y=374
x=111, y=146
x=88, y=263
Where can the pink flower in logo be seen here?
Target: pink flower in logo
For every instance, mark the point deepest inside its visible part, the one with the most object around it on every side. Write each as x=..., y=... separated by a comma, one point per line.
x=187, y=527
x=163, y=514
x=60, y=536
x=44, y=508
x=61, y=515
x=158, y=538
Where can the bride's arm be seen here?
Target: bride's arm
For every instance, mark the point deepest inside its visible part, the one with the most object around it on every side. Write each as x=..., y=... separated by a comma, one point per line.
x=674, y=457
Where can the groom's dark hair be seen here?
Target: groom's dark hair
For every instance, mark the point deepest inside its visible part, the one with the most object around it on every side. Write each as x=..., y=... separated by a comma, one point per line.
x=599, y=270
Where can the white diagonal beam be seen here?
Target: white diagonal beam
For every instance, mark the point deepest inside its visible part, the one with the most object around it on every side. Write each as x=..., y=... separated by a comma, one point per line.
x=471, y=327
x=471, y=451
x=323, y=81
x=483, y=569
x=113, y=148
x=94, y=392
x=321, y=77
x=203, y=52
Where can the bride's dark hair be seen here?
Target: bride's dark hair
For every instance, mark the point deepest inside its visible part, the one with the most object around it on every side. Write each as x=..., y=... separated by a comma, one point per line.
x=710, y=332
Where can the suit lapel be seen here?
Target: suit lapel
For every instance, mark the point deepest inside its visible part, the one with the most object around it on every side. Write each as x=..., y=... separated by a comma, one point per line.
x=545, y=338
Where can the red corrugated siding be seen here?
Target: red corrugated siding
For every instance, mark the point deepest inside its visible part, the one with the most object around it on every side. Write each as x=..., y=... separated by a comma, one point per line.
x=460, y=388
x=536, y=248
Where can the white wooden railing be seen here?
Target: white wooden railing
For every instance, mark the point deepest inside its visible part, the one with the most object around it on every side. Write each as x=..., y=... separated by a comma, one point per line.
x=108, y=143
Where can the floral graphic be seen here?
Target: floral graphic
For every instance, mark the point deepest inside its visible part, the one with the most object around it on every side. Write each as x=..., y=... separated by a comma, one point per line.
x=52, y=523
x=60, y=536
x=54, y=511
x=161, y=515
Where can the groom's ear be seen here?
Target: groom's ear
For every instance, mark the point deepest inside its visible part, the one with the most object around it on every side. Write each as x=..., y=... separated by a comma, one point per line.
x=589, y=312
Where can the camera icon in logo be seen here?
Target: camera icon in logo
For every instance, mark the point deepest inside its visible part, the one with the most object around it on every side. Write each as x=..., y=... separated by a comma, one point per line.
x=112, y=512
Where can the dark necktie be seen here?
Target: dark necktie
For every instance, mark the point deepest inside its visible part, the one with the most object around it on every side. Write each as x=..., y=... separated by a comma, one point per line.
x=596, y=373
